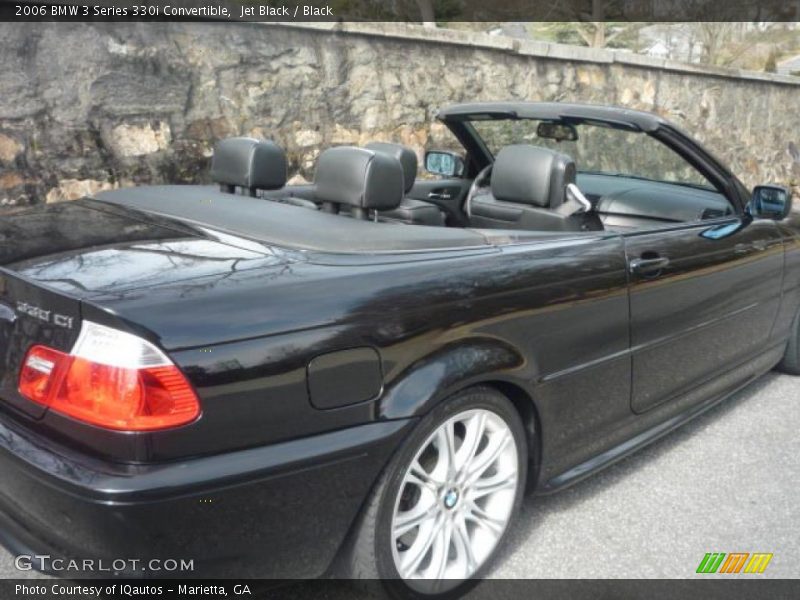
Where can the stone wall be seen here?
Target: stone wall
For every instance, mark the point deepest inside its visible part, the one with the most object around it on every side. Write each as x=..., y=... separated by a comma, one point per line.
x=85, y=107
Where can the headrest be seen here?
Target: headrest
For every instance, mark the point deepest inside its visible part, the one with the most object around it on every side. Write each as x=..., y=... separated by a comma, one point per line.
x=358, y=177
x=406, y=156
x=249, y=163
x=532, y=175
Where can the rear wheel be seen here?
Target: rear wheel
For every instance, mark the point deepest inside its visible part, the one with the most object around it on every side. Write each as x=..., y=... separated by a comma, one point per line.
x=443, y=505
x=791, y=360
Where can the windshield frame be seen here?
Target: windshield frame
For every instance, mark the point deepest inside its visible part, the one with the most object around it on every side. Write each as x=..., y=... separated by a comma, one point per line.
x=457, y=119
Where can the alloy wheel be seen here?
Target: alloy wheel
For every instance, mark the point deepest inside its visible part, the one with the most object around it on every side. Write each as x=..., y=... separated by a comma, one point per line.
x=455, y=500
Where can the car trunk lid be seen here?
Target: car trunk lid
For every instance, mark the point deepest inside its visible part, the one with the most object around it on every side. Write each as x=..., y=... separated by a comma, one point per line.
x=86, y=247
x=29, y=315
x=54, y=257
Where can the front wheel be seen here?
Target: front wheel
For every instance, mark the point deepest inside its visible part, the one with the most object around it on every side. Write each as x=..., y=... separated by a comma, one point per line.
x=443, y=504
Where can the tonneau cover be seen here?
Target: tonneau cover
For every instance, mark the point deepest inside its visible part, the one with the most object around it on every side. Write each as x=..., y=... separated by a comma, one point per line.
x=286, y=225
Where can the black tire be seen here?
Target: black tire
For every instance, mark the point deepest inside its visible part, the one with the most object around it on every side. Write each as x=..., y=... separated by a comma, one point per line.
x=369, y=557
x=791, y=360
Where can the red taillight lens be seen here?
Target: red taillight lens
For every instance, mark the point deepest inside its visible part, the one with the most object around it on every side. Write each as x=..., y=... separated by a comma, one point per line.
x=116, y=397
x=41, y=371
x=129, y=399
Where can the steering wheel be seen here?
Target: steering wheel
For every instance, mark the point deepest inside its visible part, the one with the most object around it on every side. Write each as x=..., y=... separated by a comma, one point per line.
x=478, y=183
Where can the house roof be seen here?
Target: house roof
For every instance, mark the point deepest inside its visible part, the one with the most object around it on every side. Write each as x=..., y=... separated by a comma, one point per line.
x=789, y=65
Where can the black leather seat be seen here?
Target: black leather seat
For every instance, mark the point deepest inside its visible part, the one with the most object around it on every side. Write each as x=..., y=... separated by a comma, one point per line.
x=253, y=166
x=529, y=191
x=357, y=180
x=411, y=211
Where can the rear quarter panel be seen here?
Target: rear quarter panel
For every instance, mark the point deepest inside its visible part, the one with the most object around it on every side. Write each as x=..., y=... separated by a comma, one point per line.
x=550, y=318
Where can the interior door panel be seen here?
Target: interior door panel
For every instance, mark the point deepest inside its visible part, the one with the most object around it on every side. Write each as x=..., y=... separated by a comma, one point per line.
x=447, y=194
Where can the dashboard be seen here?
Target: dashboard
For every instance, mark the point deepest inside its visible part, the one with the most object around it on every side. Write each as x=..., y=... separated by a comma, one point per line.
x=632, y=203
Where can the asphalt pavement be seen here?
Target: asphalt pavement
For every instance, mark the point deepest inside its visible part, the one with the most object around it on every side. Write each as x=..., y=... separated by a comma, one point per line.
x=726, y=482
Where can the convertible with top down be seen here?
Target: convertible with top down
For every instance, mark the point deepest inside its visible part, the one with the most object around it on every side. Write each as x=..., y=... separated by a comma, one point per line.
x=364, y=374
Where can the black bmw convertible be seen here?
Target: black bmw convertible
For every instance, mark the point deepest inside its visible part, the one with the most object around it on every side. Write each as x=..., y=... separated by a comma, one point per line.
x=364, y=374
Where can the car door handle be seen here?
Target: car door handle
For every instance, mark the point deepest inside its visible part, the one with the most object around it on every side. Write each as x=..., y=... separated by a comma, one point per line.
x=649, y=266
x=445, y=195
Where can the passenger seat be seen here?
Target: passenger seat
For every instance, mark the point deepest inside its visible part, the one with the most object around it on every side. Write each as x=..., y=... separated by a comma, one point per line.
x=410, y=211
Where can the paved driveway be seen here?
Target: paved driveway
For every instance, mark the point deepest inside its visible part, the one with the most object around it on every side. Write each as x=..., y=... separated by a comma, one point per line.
x=726, y=482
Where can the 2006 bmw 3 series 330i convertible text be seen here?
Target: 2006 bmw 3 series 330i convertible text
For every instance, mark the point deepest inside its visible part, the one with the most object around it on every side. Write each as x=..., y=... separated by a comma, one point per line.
x=363, y=375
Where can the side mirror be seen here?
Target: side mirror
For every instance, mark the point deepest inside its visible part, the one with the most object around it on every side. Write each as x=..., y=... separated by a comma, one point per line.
x=447, y=164
x=770, y=202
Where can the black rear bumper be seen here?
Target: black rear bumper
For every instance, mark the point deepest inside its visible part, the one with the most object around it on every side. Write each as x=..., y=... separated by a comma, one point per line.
x=280, y=511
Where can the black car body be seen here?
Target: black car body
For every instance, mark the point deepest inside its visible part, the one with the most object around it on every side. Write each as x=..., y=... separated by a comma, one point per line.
x=316, y=342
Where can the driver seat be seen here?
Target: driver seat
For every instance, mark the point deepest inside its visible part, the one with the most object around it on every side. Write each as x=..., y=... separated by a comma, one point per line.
x=529, y=191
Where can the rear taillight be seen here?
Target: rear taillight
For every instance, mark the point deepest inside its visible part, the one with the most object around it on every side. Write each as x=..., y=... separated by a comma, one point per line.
x=43, y=366
x=110, y=379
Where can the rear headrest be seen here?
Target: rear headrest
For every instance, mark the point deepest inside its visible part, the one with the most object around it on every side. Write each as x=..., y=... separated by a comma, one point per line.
x=358, y=177
x=532, y=175
x=406, y=156
x=249, y=163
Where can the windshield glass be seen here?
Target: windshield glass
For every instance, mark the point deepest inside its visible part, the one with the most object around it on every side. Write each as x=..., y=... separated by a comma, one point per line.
x=598, y=149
